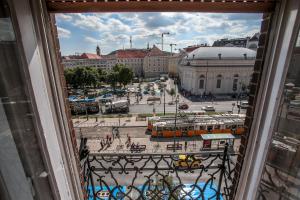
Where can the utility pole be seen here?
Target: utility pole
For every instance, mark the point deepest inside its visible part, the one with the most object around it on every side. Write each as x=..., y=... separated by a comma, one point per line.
x=162, y=39
x=130, y=42
x=176, y=102
x=171, y=45
x=164, y=100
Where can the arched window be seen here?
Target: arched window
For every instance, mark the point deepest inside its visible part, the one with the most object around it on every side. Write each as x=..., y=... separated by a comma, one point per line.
x=201, y=82
x=219, y=81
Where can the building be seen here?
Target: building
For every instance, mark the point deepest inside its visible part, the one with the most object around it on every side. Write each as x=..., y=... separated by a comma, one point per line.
x=253, y=42
x=85, y=60
x=175, y=59
x=248, y=42
x=217, y=70
x=236, y=42
x=132, y=58
x=173, y=63
x=155, y=63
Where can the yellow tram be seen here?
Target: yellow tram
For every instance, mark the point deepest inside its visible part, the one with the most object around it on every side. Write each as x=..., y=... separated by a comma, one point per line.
x=189, y=127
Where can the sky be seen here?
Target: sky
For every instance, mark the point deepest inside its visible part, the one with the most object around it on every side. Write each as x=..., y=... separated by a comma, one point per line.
x=79, y=33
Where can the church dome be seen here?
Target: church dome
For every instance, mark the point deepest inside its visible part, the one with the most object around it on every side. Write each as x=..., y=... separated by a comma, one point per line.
x=216, y=53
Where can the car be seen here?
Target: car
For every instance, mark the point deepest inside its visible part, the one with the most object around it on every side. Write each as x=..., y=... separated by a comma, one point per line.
x=108, y=95
x=187, y=161
x=171, y=103
x=243, y=105
x=183, y=106
x=131, y=89
x=209, y=108
x=146, y=92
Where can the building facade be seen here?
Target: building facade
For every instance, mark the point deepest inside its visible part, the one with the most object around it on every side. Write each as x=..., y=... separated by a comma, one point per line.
x=155, y=63
x=86, y=60
x=248, y=42
x=217, y=70
x=132, y=58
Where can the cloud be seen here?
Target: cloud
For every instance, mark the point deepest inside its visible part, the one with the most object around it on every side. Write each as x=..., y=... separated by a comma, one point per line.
x=63, y=33
x=113, y=30
x=91, y=39
x=63, y=17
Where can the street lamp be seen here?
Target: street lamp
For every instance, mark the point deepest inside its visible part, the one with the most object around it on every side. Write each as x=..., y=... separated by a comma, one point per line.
x=176, y=102
x=164, y=99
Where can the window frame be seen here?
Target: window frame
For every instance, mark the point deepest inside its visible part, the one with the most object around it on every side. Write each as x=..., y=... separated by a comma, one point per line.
x=285, y=26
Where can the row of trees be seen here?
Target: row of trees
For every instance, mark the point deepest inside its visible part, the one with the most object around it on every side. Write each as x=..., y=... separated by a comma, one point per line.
x=82, y=77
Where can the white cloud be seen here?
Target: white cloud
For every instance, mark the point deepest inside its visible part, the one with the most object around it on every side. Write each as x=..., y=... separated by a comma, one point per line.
x=114, y=29
x=91, y=39
x=63, y=17
x=63, y=33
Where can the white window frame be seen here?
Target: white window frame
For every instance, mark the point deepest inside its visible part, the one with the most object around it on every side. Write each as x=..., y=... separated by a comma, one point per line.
x=285, y=26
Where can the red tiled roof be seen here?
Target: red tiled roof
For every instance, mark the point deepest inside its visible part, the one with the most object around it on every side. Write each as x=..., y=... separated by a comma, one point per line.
x=131, y=53
x=90, y=56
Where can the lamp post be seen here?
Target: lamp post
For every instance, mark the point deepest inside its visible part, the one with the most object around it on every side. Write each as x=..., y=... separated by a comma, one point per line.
x=164, y=100
x=176, y=102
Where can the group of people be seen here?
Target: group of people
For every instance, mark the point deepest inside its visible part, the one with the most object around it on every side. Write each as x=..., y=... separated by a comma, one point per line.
x=105, y=142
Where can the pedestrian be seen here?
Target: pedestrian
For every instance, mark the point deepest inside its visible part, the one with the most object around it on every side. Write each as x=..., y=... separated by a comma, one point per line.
x=107, y=137
x=185, y=145
x=101, y=144
x=129, y=139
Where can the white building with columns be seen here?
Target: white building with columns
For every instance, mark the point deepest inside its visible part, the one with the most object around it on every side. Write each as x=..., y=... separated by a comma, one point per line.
x=217, y=70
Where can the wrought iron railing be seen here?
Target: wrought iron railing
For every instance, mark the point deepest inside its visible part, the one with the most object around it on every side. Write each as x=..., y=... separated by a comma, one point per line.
x=159, y=176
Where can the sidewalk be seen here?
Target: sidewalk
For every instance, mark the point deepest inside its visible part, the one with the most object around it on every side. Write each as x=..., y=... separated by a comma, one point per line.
x=108, y=122
x=119, y=146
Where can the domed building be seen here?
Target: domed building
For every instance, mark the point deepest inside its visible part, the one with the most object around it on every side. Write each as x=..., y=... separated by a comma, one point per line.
x=217, y=70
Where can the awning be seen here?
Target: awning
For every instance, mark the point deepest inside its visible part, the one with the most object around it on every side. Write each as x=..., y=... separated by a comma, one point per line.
x=220, y=136
x=229, y=6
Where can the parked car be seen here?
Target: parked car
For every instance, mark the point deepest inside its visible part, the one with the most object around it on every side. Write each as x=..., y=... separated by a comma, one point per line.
x=209, y=108
x=187, y=161
x=243, y=105
x=183, y=106
x=171, y=103
x=146, y=92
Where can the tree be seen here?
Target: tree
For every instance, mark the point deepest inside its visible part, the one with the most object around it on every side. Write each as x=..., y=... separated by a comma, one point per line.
x=172, y=93
x=69, y=76
x=112, y=79
x=125, y=76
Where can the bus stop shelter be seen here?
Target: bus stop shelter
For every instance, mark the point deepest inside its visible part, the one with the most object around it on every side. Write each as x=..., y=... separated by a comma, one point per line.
x=217, y=141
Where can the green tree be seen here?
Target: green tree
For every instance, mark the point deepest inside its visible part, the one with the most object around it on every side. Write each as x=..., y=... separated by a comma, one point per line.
x=69, y=76
x=101, y=75
x=112, y=79
x=172, y=93
x=125, y=76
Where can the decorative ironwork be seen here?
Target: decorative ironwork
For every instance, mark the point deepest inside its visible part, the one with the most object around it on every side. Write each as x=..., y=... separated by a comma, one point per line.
x=159, y=176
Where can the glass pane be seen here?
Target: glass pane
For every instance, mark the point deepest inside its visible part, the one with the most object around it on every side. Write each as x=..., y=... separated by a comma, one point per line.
x=281, y=176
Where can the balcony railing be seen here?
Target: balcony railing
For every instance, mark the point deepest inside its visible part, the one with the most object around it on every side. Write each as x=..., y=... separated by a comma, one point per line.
x=203, y=175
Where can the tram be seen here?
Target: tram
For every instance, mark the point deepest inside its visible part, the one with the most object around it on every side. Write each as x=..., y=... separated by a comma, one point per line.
x=196, y=126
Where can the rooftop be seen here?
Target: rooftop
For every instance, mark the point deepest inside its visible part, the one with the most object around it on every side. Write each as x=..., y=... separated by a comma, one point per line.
x=216, y=53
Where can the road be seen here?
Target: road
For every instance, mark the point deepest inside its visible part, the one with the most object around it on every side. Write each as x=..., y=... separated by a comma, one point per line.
x=221, y=106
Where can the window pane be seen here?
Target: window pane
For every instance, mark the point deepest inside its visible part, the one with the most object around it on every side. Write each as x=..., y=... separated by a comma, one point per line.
x=280, y=179
x=219, y=83
x=201, y=84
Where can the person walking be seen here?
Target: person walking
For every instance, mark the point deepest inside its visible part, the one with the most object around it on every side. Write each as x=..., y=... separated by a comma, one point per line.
x=185, y=145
